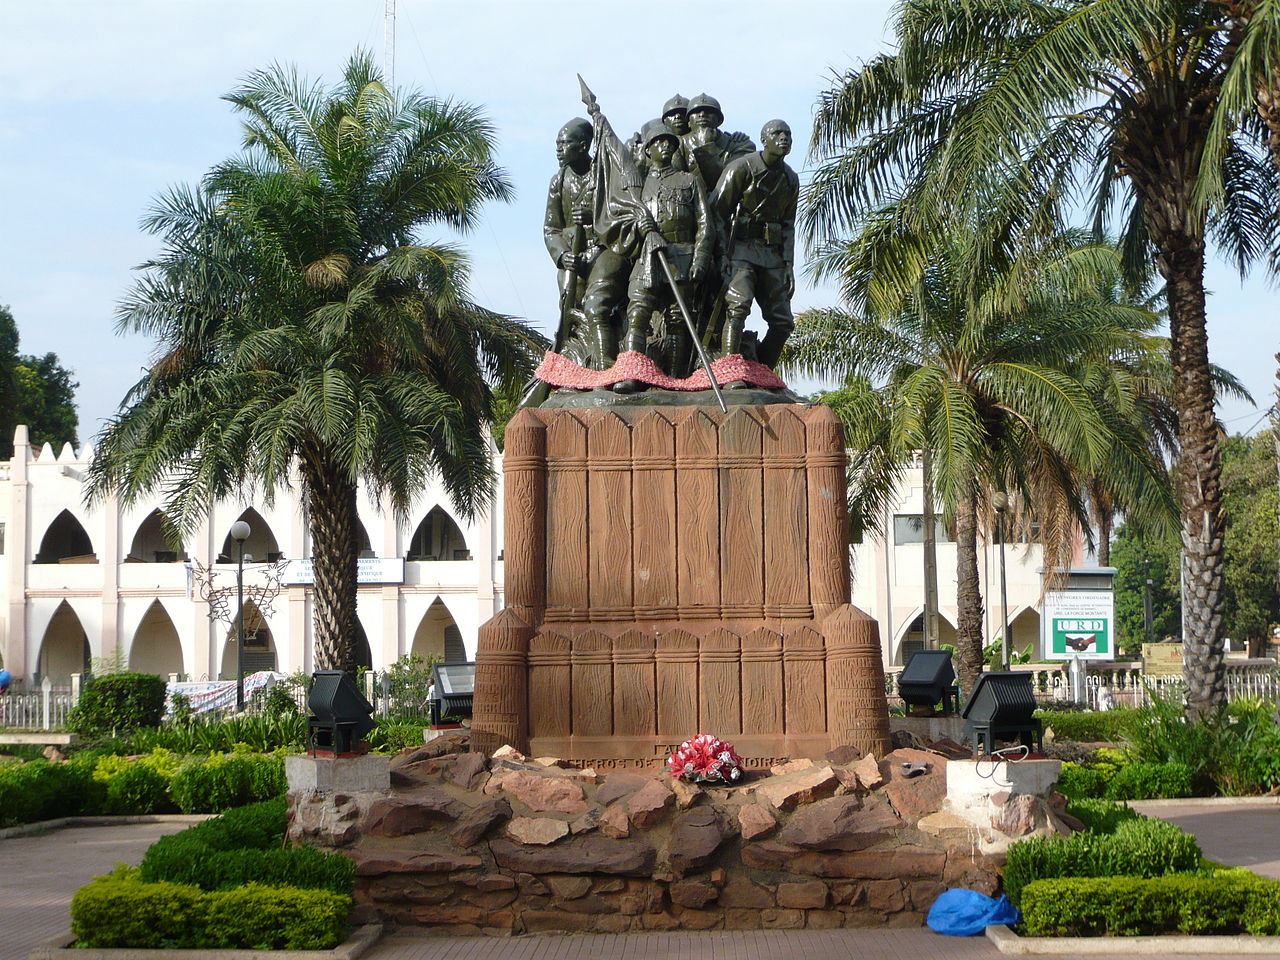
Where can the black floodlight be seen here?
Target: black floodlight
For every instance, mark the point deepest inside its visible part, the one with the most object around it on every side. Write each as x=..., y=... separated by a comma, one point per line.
x=341, y=716
x=455, y=687
x=927, y=679
x=1001, y=707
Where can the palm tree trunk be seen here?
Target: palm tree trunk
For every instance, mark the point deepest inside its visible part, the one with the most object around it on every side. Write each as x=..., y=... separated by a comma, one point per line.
x=332, y=520
x=968, y=593
x=1103, y=517
x=1198, y=474
x=930, y=551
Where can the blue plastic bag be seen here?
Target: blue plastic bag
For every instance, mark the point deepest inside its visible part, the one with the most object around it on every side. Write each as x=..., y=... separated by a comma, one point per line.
x=966, y=913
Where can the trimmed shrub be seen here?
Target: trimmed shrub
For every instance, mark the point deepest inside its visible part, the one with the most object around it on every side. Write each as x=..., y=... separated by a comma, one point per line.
x=1087, y=726
x=1077, y=781
x=138, y=788
x=1151, y=781
x=122, y=911
x=1224, y=902
x=188, y=860
x=40, y=790
x=1138, y=848
x=1100, y=816
x=227, y=780
x=119, y=701
x=258, y=826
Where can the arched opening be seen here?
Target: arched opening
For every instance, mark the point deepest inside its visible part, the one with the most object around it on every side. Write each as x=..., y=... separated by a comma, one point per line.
x=1024, y=633
x=364, y=547
x=913, y=637
x=156, y=647
x=261, y=545
x=66, y=542
x=438, y=636
x=150, y=545
x=64, y=649
x=438, y=538
x=259, y=645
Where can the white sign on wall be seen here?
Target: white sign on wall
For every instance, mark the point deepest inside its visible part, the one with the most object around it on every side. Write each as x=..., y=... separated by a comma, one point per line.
x=368, y=570
x=1078, y=623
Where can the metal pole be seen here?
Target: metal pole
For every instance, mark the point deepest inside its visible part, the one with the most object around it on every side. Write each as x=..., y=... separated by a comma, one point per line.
x=1147, y=625
x=1004, y=591
x=693, y=331
x=240, y=626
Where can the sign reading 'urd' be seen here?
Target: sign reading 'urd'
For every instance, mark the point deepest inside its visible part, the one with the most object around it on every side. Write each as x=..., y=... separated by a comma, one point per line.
x=1078, y=623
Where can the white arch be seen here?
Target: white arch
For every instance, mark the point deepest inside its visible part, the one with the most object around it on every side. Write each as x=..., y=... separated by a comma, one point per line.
x=137, y=662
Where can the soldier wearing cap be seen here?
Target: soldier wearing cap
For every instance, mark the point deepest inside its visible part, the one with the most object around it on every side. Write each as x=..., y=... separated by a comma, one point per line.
x=676, y=218
x=756, y=196
x=594, y=276
x=708, y=148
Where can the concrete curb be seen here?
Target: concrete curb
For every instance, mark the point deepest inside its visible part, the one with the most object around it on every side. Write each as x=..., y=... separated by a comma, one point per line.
x=58, y=949
x=1006, y=941
x=43, y=826
x=1205, y=802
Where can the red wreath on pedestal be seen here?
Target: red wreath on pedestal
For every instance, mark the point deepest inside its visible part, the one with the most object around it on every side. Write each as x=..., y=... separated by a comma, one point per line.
x=560, y=371
x=706, y=759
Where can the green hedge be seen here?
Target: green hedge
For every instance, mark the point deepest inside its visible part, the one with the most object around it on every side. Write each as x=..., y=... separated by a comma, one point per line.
x=1151, y=781
x=1100, y=816
x=1141, y=848
x=227, y=780
x=1225, y=902
x=40, y=790
x=122, y=911
x=119, y=701
x=257, y=826
x=1087, y=726
x=1076, y=781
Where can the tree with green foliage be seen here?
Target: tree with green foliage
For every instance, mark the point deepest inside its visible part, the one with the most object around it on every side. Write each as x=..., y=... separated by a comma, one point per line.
x=1005, y=370
x=1027, y=110
x=1251, y=505
x=35, y=390
x=1137, y=556
x=304, y=324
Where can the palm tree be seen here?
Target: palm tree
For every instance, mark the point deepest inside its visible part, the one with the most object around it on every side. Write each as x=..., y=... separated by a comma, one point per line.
x=1026, y=109
x=989, y=367
x=302, y=323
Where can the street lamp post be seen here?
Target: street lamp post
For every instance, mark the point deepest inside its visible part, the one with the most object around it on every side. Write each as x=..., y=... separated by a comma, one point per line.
x=1000, y=500
x=240, y=533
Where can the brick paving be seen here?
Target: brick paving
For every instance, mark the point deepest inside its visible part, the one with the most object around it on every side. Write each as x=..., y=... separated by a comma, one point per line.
x=1238, y=834
x=39, y=873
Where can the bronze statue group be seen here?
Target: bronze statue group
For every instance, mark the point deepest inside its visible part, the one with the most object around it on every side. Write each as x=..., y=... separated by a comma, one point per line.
x=663, y=243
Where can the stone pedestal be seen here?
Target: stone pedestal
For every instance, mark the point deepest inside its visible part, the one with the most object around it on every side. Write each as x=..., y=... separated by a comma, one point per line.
x=998, y=803
x=674, y=571
x=365, y=774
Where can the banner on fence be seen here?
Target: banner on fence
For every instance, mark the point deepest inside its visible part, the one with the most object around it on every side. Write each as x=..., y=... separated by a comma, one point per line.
x=1162, y=659
x=207, y=695
x=1078, y=623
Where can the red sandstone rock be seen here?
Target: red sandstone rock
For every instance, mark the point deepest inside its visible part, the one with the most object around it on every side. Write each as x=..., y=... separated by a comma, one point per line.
x=695, y=837
x=615, y=823
x=841, y=823
x=1018, y=816
x=397, y=816
x=619, y=785
x=568, y=887
x=508, y=752
x=541, y=794
x=588, y=821
x=787, y=791
x=376, y=863
x=744, y=892
x=868, y=771
x=648, y=804
x=686, y=793
x=843, y=756
x=904, y=862
x=540, y=831
x=755, y=821
x=475, y=824
x=808, y=895
x=885, y=895
x=693, y=893
x=918, y=796
x=585, y=854
x=469, y=771
x=778, y=919
x=791, y=766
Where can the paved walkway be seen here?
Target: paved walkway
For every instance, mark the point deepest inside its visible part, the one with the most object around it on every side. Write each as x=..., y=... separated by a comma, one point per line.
x=38, y=875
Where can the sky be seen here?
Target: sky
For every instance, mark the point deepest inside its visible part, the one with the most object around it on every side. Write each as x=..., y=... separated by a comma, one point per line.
x=105, y=105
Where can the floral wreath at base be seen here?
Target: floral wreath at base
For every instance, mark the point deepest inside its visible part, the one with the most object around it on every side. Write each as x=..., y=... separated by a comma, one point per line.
x=560, y=371
x=705, y=759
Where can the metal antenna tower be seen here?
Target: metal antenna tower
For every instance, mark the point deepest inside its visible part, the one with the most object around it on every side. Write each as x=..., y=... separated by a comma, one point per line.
x=389, y=43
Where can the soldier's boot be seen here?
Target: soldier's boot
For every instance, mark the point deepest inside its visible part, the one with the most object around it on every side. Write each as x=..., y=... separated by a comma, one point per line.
x=637, y=339
x=604, y=344
x=732, y=339
x=770, y=351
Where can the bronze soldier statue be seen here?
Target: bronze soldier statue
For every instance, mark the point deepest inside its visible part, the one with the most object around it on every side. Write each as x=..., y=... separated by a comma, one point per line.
x=756, y=200
x=592, y=277
x=708, y=148
x=674, y=216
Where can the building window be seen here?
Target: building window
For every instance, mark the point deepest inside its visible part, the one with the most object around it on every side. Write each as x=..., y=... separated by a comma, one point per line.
x=909, y=528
